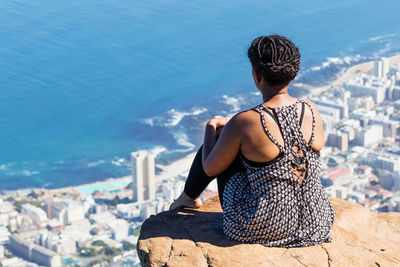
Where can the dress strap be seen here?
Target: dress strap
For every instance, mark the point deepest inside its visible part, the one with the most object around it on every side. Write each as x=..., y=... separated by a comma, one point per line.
x=272, y=115
x=259, y=110
x=302, y=113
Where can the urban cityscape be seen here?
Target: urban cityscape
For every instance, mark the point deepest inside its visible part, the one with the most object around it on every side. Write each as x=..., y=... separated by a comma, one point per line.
x=99, y=224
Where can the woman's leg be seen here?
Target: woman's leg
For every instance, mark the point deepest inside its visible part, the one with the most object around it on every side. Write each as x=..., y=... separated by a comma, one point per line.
x=198, y=180
x=195, y=184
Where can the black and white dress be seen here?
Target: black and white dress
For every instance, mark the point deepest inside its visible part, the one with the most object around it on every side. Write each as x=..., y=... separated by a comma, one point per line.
x=281, y=203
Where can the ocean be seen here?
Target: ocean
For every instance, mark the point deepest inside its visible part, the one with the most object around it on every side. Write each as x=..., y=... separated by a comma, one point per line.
x=85, y=83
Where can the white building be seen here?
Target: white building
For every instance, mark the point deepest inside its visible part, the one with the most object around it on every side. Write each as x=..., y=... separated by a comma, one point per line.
x=147, y=209
x=370, y=135
x=88, y=202
x=332, y=112
x=366, y=85
x=388, y=126
x=32, y=252
x=61, y=244
x=37, y=215
x=143, y=172
x=381, y=68
x=338, y=191
x=1, y=252
x=4, y=234
x=339, y=104
x=119, y=228
x=128, y=211
x=67, y=211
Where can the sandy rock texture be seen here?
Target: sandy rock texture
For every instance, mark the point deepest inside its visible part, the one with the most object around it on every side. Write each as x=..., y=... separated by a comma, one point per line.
x=187, y=237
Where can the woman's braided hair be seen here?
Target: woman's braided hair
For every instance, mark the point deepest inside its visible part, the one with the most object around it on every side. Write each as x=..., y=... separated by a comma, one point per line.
x=276, y=58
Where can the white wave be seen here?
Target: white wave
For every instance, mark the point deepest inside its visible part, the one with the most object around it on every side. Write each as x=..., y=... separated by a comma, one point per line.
x=256, y=93
x=347, y=60
x=173, y=117
x=232, y=101
x=24, y=173
x=157, y=150
x=149, y=121
x=384, y=50
x=118, y=162
x=96, y=163
x=380, y=37
x=6, y=166
x=183, y=140
x=185, y=150
x=176, y=168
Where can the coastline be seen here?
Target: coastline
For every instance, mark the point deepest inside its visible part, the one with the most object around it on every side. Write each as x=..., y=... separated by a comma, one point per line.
x=347, y=74
x=180, y=167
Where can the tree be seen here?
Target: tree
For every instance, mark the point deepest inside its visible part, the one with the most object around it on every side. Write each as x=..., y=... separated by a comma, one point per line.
x=110, y=251
x=99, y=243
x=88, y=252
x=128, y=245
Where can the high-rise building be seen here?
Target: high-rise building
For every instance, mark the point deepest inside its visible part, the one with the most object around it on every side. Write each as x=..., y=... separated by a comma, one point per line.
x=143, y=172
x=381, y=68
x=378, y=68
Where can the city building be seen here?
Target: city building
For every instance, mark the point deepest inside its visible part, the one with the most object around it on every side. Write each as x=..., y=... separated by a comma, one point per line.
x=128, y=211
x=59, y=243
x=366, y=85
x=381, y=68
x=332, y=112
x=67, y=211
x=339, y=103
x=384, y=161
x=370, y=135
x=143, y=173
x=119, y=229
x=338, y=191
x=147, y=209
x=339, y=140
x=395, y=92
x=389, y=180
x=4, y=234
x=37, y=215
x=34, y=253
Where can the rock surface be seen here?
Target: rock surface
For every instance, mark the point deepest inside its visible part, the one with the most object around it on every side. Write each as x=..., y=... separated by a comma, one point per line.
x=187, y=237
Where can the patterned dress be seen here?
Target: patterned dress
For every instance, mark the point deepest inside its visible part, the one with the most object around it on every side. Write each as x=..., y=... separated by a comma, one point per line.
x=281, y=203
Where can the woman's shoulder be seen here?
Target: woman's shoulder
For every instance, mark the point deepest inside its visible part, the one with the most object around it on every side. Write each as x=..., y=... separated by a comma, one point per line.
x=245, y=117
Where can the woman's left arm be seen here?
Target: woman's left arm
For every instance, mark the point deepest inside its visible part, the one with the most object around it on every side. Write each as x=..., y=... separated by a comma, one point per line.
x=218, y=155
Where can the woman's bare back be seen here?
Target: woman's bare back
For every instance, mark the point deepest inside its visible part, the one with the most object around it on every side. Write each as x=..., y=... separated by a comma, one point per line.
x=255, y=144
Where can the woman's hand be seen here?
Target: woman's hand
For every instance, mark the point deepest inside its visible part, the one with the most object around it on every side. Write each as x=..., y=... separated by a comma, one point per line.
x=216, y=157
x=218, y=121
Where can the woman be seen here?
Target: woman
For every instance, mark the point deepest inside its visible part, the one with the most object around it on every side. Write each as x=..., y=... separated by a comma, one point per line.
x=267, y=159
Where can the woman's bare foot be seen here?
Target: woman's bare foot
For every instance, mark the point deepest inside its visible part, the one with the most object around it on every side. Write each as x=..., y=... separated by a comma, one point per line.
x=185, y=201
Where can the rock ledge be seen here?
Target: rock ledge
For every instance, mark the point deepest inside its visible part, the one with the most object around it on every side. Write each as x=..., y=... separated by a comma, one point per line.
x=189, y=237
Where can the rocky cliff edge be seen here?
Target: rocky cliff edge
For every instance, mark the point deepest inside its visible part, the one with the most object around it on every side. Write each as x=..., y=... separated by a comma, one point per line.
x=187, y=237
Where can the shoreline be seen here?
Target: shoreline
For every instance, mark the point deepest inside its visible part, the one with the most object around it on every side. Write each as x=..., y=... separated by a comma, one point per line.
x=347, y=74
x=182, y=166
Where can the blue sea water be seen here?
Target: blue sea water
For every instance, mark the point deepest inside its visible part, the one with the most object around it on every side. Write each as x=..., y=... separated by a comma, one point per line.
x=84, y=83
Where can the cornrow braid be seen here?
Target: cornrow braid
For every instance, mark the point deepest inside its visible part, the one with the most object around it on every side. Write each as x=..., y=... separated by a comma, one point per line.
x=276, y=58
